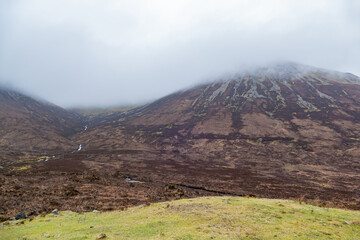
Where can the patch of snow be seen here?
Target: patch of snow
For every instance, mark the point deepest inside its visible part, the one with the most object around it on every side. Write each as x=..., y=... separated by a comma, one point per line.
x=305, y=104
x=275, y=87
x=236, y=86
x=321, y=94
x=85, y=128
x=252, y=93
x=219, y=91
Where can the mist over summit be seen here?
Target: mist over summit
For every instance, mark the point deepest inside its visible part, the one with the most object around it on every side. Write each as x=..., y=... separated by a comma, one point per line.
x=100, y=53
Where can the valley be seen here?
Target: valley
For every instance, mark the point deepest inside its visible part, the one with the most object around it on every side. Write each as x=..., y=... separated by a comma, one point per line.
x=287, y=131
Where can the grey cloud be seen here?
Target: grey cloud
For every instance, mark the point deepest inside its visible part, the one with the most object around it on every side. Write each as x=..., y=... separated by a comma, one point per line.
x=97, y=53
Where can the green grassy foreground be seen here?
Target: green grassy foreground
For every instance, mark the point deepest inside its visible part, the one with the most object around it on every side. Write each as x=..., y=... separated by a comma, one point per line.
x=201, y=218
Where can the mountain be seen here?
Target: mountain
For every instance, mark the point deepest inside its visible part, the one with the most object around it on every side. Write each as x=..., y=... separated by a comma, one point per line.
x=27, y=124
x=279, y=131
x=285, y=101
x=283, y=130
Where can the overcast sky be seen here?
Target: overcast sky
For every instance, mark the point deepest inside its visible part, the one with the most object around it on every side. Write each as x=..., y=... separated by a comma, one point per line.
x=108, y=52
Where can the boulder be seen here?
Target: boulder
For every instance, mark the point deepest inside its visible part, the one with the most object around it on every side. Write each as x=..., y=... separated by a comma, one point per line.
x=101, y=236
x=21, y=215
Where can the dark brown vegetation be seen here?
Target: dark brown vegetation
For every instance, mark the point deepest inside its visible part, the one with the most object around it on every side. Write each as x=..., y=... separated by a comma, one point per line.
x=292, y=134
x=28, y=125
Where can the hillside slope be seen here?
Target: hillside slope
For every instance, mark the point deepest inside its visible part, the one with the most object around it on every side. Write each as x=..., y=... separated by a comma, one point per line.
x=30, y=125
x=201, y=218
x=284, y=130
x=285, y=101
